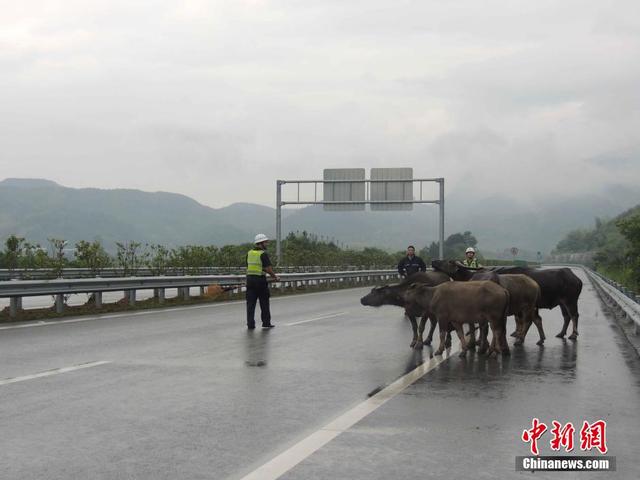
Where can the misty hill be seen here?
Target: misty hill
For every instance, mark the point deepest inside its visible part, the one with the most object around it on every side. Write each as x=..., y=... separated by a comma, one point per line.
x=38, y=209
x=498, y=222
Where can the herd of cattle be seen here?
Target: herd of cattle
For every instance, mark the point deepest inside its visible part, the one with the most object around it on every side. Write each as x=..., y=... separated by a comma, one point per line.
x=453, y=295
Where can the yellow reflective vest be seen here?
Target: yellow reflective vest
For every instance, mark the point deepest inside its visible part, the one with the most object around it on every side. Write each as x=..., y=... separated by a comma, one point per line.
x=254, y=262
x=471, y=263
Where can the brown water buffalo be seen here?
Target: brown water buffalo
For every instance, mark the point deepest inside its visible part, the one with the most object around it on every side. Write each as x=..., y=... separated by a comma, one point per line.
x=456, y=303
x=524, y=294
x=392, y=295
x=449, y=267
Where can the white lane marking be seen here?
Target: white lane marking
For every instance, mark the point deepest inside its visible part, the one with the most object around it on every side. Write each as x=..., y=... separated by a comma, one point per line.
x=291, y=457
x=42, y=323
x=50, y=373
x=323, y=317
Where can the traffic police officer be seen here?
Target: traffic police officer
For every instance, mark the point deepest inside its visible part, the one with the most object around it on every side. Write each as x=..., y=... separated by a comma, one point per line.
x=470, y=259
x=258, y=265
x=411, y=263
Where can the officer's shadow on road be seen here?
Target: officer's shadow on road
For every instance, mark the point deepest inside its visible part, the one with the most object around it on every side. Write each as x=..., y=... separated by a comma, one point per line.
x=257, y=348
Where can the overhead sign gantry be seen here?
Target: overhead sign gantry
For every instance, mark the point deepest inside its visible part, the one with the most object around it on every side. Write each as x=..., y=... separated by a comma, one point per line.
x=347, y=189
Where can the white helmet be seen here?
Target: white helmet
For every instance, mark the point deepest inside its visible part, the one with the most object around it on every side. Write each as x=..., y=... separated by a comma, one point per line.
x=261, y=237
x=470, y=249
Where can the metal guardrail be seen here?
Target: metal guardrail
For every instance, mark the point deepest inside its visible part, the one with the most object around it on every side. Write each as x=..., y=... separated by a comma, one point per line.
x=625, y=300
x=15, y=290
x=44, y=273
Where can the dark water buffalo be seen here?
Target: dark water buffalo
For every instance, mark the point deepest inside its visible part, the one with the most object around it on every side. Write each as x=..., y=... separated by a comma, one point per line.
x=524, y=294
x=456, y=303
x=393, y=295
x=558, y=287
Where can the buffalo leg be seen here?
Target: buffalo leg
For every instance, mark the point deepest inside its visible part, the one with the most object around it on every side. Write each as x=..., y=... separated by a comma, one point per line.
x=523, y=322
x=432, y=328
x=472, y=336
x=504, y=345
x=463, y=341
x=501, y=332
x=443, y=335
x=447, y=342
x=535, y=318
x=567, y=319
x=573, y=313
x=492, y=346
x=499, y=340
x=414, y=326
x=423, y=321
x=519, y=325
x=484, y=342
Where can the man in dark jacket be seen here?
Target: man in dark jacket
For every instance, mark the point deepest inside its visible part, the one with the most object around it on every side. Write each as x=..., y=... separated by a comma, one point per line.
x=411, y=263
x=258, y=267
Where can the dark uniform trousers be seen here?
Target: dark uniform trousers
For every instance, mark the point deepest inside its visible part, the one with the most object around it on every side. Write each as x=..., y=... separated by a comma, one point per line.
x=258, y=289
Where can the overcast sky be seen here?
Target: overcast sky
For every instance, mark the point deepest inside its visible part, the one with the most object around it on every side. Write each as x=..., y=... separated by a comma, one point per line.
x=217, y=99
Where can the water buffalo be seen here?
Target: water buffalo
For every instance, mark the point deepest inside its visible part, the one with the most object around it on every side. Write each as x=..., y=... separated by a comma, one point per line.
x=450, y=268
x=456, y=303
x=524, y=294
x=392, y=295
x=558, y=287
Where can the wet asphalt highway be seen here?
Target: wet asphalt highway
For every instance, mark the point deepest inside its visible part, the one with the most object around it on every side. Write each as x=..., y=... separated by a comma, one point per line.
x=188, y=393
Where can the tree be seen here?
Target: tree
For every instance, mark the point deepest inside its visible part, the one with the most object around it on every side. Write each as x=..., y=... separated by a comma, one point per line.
x=34, y=256
x=158, y=260
x=192, y=257
x=630, y=228
x=129, y=258
x=57, y=258
x=454, y=246
x=13, y=251
x=92, y=256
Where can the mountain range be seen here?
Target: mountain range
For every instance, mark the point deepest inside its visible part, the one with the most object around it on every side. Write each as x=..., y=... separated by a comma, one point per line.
x=39, y=209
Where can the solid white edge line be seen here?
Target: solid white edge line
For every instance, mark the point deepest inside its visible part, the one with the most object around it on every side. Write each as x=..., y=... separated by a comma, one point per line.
x=50, y=373
x=42, y=323
x=323, y=317
x=291, y=457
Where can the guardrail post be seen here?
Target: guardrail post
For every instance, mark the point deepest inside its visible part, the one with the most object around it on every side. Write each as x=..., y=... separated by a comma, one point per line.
x=59, y=303
x=15, y=304
x=97, y=298
x=160, y=295
x=202, y=291
x=185, y=293
x=131, y=297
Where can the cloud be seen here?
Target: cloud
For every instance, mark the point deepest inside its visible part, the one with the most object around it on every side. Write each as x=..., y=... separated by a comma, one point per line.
x=217, y=99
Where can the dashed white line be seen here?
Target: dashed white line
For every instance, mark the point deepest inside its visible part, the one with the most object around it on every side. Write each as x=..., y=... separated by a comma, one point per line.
x=291, y=457
x=323, y=317
x=50, y=373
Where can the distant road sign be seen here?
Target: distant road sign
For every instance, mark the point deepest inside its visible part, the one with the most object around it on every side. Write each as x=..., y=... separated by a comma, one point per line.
x=344, y=192
x=383, y=191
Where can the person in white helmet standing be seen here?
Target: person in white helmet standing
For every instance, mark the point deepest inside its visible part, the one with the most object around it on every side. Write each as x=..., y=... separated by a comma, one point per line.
x=470, y=258
x=258, y=266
